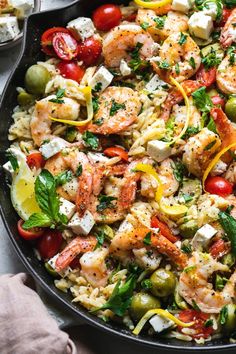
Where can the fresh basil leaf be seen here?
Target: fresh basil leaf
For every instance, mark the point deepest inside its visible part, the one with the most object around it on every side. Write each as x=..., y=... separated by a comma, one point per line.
x=13, y=160
x=229, y=226
x=63, y=177
x=147, y=239
x=105, y=202
x=37, y=220
x=90, y=140
x=202, y=100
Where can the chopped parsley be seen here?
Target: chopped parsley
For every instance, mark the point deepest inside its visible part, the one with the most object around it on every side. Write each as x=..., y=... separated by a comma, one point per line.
x=208, y=323
x=195, y=306
x=13, y=160
x=100, y=236
x=90, y=140
x=97, y=87
x=211, y=59
x=186, y=248
x=145, y=25
x=190, y=131
x=79, y=170
x=183, y=38
x=105, y=202
x=95, y=103
x=231, y=54
x=59, y=95
x=160, y=21
x=177, y=70
x=147, y=239
x=115, y=107
x=210, y=145
x=223, y=315
x=98, y=121
x=202, y=100
x=146, y=284
x=178, y=170
x=63, y=177
x=192, y=63
x=138, y=66
x=164, y=65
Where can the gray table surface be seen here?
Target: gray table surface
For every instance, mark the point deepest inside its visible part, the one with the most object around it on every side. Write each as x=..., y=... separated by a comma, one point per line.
x=10, y=263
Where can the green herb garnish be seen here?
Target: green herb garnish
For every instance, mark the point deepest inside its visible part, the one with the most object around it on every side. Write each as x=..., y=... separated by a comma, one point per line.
x=115, y=107
x=105, y=202
x=160, y=21
x=183, y=38
x=13, y=160
x=147, y=239
x=90, y=140
x=59, y=95
x=63, y=177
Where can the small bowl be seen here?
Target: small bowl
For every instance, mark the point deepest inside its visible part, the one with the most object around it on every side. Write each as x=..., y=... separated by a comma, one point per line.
x=18, y=38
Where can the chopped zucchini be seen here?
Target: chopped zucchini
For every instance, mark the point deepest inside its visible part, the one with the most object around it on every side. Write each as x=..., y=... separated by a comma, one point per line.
x=190, y=191
x=188, y=229
x=216, y=47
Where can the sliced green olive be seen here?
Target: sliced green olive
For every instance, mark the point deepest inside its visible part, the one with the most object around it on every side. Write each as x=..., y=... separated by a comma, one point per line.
x=25, y=98
x=163, y=282
x=36, y=79
x=141, y=303
x=230, y=109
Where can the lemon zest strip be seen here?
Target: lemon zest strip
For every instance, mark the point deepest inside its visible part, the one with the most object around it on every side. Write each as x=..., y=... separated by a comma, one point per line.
x=152, y=4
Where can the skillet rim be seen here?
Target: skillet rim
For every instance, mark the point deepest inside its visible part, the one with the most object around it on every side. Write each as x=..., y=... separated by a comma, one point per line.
x=93, y=320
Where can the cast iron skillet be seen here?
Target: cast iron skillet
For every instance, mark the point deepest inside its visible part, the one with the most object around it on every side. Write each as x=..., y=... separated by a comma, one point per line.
x=34, y=27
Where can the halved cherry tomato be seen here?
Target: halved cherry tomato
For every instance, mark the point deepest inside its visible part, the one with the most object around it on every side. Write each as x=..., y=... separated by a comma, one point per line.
x=200, y=319
x=206, y=77
x=89, y=51
x=71, y=70
x=218, y=101
x=35, y=159
x=49, y=244
x=116, y=151
x=65, y=46
x=46, y=39
x=218, y=185
x=164, y=229
x=106, y=17
x=30, y=234
x=219, y=248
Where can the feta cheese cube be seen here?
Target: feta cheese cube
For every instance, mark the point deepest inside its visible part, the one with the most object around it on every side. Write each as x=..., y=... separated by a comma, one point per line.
x=158, y=150
x=159, y=323
x=22, y=7
x=211, y=10
x=8, y=28
x=67, y=208
x=203, y=236
x=82, y=225
x=181, y=5
x=102, y=77
x=155, y=83
x=8, y=169
x=81, y=27
x=124, y=68
x=200, y=25
x=52, y=147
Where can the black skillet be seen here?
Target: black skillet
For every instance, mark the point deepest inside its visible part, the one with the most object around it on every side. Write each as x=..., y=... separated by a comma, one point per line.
x=34, y=27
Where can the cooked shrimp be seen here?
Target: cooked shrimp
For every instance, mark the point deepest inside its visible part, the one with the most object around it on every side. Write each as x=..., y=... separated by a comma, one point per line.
x=199, y=149
x=93, y=267
x=230, y=174
x=80, y=244
x=124, y=242
x=166, y=174
x=228, y=33
x=118, y=109
x=195, y=288
x=178, y=115
x=172, y=53
x=226, y=76
x=173, y=22
x=121, y=39
x=40, y=124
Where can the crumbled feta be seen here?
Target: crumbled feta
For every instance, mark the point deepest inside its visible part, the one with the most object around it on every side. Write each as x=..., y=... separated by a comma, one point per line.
x=97, y=157
x=82, y=225
x=22, y=7
x=8, y=28
x=124, y=68
x=200, y=25
x=203, y=236
x=155, y=83
x=211, y=9
x=160, y=323
x=52, y=263
x=52, y=147
x=181, y=5
x=67, y=208
x=81, y=27
x=158, y=150
x=102, y=77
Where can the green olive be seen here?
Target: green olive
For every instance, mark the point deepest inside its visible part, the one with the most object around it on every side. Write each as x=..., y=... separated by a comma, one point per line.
x=230, y=109
x=188, y=229
x=228, y=318
x=36, y=79
x=50, y=270
x=25, y=98
x=141, y=303
x=163, y=282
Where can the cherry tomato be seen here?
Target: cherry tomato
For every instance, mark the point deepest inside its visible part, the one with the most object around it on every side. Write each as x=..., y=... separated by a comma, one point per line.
x=35, y=159
x=71, y=70
x=106, y=17
x=206, y=77
x=164, y=229
x=225, y=15
x=65, y=46
x=89, y=51
x=116, y=151
x=200, y=319
x=218, y=185
x=30, y=234
x=131, y=18
x=46, y=39
x=219, y=248
x=49, y=244
x=218, y=101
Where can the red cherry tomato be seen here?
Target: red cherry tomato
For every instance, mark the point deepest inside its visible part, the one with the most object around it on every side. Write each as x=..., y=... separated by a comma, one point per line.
x=206, y=77
x=199, y=319
x=35, y=159
x=89, y=51
x=49, y=244
x=218, y=185
x=131, y=18
x=219, y=248
x=106, y=17
x=46, y=39
x=65, y=46
x=30, y=234
x=225, y=15
x=164, y=229
x=218, y=101
x=71, y=70
x=116, y=151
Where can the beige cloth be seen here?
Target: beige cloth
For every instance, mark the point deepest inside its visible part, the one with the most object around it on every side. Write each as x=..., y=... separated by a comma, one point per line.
x=25, y=325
